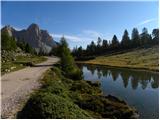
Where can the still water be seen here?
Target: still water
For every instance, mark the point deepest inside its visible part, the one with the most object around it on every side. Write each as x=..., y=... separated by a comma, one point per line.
x=139, y=89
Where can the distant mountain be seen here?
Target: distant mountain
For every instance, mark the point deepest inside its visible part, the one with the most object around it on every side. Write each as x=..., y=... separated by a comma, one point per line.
x=39, y=39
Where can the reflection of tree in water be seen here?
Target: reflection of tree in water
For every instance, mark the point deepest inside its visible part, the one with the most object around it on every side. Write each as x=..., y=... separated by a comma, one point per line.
x=155, y=81
x=144, y=78
x=125, y=77
x=114, y=75
x=106, y=73
x=91, y=68
x=144, y=83
x=134, y=82
x=136, y=77
x=99, y=73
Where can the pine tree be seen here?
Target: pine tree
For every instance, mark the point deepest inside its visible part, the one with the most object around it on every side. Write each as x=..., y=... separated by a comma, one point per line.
x=135, y=39
x=98, y=50
x=92, y=48
x=126, y=43
x=145, y=38
x=115, y=43
x=105, y=45
x=28, y=48
x=67, y=62
x=155, y=34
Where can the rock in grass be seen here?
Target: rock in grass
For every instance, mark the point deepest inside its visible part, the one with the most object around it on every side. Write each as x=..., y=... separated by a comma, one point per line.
x=13, y=67
x=13, y=59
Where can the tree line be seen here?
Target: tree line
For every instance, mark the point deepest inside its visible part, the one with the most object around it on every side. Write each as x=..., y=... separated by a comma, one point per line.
x=143, y=40
x=10, y=43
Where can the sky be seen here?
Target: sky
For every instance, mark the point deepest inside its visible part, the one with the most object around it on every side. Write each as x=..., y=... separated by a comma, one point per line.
x=81, y=22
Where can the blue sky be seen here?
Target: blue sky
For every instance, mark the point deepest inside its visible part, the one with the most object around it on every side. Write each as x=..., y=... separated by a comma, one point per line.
x=82, y=22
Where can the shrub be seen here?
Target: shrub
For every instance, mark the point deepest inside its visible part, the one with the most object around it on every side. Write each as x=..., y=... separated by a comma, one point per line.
x=57, y=88
x=47, y=105
x=75, y=73
x=57, y=71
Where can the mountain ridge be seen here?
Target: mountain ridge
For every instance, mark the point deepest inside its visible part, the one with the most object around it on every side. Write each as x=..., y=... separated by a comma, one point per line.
x=37, y=38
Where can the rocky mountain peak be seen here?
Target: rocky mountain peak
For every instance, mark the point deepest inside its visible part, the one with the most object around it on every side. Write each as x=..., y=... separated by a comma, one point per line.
x=33, y=26
x=34, y=29
x=8, y=29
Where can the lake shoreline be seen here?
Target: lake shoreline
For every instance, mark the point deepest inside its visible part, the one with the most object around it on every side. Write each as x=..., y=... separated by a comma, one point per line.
x=123, y=67
x=137, y=88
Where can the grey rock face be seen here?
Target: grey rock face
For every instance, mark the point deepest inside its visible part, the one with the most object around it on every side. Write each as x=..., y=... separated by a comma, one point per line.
x=34, y=36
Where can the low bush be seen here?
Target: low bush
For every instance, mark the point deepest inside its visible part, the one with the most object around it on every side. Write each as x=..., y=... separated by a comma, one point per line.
x=75, y=74
x=105, y=107
x=50, y=106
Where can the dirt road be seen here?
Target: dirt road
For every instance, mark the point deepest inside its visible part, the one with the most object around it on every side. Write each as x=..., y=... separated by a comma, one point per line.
x=17, y=86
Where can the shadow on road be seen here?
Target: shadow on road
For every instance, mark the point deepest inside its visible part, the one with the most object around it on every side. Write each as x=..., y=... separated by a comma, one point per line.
x=42, y=65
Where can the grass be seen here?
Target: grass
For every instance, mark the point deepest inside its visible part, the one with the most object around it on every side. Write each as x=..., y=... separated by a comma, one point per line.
x=138, y=59
x=20, y=63
x=61, y=97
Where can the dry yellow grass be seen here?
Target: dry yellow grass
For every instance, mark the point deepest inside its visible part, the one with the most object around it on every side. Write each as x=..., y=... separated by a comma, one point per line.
x=141, y=59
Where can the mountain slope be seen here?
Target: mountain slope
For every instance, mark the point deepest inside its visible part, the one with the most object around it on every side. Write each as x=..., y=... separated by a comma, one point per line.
x=141, y=59
x=34, y=36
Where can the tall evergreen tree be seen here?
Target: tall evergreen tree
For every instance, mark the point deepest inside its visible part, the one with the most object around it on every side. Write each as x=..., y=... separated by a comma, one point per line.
x=104, y=45
x=145, y=38
x=67, y=62
x=126, y=43
x=115, y=43
x=80, y=51
x=155, y=34
x=135, y=38
x=98, y=50
x=28, y=48
x=99, y=42
x=92, y=48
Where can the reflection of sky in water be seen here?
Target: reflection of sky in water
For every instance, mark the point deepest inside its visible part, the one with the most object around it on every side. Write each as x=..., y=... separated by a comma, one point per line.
x=139, y=89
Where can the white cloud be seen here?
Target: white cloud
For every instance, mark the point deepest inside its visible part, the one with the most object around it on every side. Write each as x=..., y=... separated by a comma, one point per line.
x=2, y=26
x=85, y=37
x=147, y=21
x=92, y=33
x=16, y=28
x=68, y=37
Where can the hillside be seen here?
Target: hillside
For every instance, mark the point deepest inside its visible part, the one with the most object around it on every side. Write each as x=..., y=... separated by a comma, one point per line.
x=141, y=59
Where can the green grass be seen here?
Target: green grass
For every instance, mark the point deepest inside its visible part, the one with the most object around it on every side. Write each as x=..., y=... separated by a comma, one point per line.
x=19, y=63
x=33, y=58
x=138, y=59
x=61, y=97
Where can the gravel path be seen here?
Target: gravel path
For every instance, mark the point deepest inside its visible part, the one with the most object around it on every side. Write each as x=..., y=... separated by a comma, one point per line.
x=17, y=86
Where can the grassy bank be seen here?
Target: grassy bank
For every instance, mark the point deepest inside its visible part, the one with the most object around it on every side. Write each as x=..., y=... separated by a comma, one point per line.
x=61, y=97
x=138, y=59
x=20, y=62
